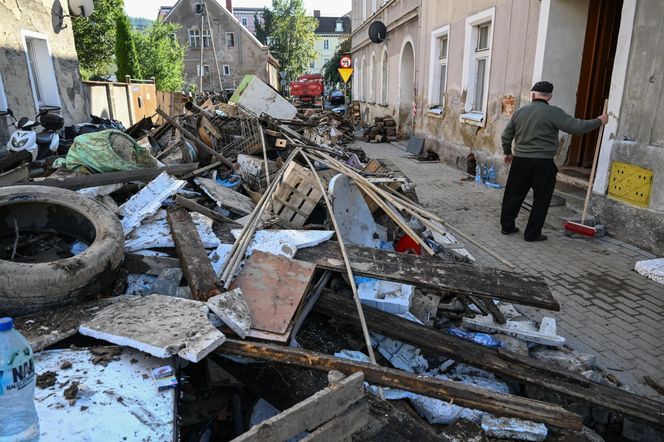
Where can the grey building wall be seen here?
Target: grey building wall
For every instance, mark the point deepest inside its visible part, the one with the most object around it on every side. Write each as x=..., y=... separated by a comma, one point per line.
x=248, y=56
x=41, y=17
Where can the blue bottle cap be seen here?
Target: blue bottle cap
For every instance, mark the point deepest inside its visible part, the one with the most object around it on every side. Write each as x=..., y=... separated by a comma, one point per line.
x=6, y=324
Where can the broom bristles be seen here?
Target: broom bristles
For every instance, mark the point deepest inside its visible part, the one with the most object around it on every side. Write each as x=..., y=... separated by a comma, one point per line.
x=582, y=229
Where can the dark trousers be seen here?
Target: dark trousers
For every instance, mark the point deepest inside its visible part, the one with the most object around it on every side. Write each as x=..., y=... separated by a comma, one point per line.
x=526, y=173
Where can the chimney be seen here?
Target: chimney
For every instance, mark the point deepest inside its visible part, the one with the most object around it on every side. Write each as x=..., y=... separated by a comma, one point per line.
x=316, y=12
x=229, y=5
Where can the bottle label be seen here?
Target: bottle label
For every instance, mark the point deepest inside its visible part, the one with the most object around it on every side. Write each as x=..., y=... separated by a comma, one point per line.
x=19, y=374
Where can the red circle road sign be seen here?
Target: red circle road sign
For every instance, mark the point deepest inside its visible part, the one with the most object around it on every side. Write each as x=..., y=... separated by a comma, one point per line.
x=345, y=61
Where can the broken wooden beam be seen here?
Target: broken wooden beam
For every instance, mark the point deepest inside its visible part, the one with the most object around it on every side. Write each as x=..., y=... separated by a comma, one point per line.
x=434, y=274
x=103, y=179
x=193, y=258
x=195, y=207
x=464, y=395
x=502, y=362
x=310, y=414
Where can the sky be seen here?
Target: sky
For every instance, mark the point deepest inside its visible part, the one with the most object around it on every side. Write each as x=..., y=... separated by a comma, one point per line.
x=149, y=8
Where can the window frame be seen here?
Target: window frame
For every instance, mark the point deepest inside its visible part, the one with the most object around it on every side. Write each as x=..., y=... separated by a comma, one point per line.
x=476, y=113
x=436, y=62
x=326, y=44
x=244, y=21
x=384, y=77
x=196, y=37
x=206, y=67
x=226, y=70
x=232, y=35
x=38, y=75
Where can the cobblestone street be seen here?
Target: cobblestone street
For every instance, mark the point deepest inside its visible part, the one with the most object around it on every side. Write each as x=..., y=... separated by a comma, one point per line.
x=607, y=309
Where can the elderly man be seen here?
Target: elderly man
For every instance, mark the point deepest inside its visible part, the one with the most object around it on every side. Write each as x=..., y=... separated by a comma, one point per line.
x=534, y=129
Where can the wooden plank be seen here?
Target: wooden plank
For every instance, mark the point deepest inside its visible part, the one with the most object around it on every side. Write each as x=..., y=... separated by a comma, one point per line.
x=15, y=175
x=148, y=265
x=273, y=287
x=461, y=394
x=193, y=258
x=434, y=274
x=521, y=368
x=341, y=428
x=310, y=413
x=103, y=179
x=195, y=207
x=229, y=199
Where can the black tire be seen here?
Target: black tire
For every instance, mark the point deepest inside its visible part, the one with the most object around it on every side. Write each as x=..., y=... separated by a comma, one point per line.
x=28, y=288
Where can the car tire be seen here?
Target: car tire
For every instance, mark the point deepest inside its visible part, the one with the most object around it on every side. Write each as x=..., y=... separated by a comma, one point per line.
x=33, y=287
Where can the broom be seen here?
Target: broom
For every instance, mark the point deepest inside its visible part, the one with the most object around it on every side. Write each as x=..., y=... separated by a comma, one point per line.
x=581, y=228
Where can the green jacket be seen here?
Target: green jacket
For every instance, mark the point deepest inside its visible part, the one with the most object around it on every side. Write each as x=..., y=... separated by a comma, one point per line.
x=534, y=128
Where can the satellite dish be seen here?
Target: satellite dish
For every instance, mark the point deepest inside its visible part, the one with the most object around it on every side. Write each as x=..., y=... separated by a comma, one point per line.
x=81, y=8
x=377, y=32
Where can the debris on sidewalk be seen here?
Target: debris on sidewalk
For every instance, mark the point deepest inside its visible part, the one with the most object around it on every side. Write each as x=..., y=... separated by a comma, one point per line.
x=651, y=268
x=255, y=252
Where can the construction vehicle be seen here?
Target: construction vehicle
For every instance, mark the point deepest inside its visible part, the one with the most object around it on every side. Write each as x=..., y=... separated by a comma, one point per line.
x=308, y=91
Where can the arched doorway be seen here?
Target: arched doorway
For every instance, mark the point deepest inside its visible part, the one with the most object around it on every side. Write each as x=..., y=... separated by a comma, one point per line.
x=406, y=88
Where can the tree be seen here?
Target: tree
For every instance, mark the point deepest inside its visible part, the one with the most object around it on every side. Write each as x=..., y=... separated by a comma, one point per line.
x=291, y=37
x=263, y=24
x=94, y=37
x=126, y=57
x=330, y=69
x=162, y=57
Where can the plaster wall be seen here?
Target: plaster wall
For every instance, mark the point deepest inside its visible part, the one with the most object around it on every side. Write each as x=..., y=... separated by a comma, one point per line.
x=41, y=17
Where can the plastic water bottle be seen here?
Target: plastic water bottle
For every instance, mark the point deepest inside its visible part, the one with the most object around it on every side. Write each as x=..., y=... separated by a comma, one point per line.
x=485, y=176
x=478, y=338
x=492, y=174
x=18, y=416
x=478, y=174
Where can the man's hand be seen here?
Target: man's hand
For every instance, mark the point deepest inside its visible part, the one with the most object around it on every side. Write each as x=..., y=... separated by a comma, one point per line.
x=604, y=118
x=508, y=159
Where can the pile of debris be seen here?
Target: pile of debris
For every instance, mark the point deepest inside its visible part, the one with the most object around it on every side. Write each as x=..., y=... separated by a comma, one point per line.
x=384, y=129
x=284, y=286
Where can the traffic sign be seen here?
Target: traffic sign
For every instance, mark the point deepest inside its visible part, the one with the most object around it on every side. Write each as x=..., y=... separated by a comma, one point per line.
x=345, y=73
x=345, y=62
x=283, y=74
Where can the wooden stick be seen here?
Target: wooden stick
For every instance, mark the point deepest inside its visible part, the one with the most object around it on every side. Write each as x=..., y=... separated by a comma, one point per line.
x=194, y=139
x=349, y=270
x=461, y=394
x=594, y=168
x=202, y=169
x=195, y=207
x=267, y=168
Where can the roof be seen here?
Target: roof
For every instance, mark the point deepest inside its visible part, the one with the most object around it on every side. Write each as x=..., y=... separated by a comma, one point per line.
x=328, y=25
x=246, y=10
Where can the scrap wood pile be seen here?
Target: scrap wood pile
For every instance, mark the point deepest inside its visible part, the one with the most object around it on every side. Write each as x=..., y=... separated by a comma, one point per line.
x=384, y=129
x=273, y=275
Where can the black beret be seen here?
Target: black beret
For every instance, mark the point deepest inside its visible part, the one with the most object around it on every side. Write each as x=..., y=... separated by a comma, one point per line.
x=543, y=86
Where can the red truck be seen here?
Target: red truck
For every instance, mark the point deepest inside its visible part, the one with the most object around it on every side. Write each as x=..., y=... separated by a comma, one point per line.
x=308, y=91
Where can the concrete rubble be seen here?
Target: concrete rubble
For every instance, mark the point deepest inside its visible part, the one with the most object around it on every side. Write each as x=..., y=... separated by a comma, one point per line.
x=260, y=183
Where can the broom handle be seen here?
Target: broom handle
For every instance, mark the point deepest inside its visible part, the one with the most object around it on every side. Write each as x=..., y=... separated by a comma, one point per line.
x=592, y=170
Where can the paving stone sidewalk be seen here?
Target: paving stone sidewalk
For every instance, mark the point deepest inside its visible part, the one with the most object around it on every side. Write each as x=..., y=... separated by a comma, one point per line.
x=607, y=308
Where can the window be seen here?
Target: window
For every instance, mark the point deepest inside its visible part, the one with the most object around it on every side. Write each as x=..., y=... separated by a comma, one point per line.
x=374, y=6
x=477, y=65
x=244, y=21
x=194, y=38
x=383, y=79
x=230, y=39
x=40, y=70
x=326, y=45
x=3, y=97
x=364, y=10
x=312, y=65
x=206, y=70
x=339, y=26
x=207, y=39
x=198, y=8
x=372, y=78
x=227, y=69
x=438, y=69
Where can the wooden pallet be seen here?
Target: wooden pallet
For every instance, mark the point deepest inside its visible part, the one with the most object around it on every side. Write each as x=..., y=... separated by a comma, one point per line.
x=378, y=167
x=296, y=196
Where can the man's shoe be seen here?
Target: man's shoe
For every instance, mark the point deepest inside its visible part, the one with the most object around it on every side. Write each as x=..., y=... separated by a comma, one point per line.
x=537, y=238
x=509, y=231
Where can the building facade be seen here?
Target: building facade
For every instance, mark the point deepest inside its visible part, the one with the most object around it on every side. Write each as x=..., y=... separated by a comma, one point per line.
x=454, y=73
x=207, y=28
x=247, y=17
x=38, y=63
x=330, y=33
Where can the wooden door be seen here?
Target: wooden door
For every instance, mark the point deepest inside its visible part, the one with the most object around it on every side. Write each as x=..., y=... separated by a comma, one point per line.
x=595, y=79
